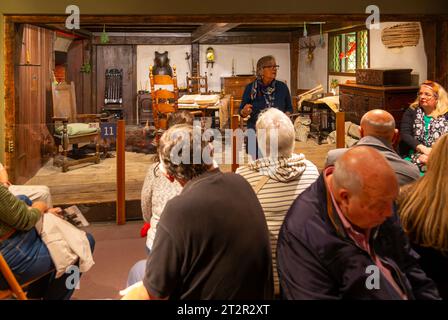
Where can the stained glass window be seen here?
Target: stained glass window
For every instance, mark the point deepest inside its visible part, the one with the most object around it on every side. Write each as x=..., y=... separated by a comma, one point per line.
x=348, y=51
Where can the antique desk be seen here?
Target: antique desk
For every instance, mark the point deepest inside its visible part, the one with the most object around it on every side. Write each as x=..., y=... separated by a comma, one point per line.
x=357, y=99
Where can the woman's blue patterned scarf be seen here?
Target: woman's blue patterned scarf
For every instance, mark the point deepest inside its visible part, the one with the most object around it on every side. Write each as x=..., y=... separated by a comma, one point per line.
x=259, y=89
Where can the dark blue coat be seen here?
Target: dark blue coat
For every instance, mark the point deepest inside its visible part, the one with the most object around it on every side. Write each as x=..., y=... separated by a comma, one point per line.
x=282, y=101
x=317, y=262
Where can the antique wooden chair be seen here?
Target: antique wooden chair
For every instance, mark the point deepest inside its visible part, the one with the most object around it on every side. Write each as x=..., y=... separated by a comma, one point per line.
x=197, y=85
x=165, y=95
x=68, y=131
x=113, y=93
x=164, y=103
x=16, y=290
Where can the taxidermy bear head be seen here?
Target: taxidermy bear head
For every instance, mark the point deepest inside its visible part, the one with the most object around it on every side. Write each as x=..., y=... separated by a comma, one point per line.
x=162, y=64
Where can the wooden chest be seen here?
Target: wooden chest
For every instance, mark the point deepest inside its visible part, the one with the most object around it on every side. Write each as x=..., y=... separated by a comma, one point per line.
x=384, y=77
x=235, y=85
x=357, y=99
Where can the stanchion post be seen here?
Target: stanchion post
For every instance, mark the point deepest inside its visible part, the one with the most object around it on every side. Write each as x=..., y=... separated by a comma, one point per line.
x=234, y=124
x=121, y=196
x=340, y=130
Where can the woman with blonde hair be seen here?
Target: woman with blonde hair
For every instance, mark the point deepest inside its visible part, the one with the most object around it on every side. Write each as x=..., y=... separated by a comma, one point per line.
x=424, y=122
x=424, y=216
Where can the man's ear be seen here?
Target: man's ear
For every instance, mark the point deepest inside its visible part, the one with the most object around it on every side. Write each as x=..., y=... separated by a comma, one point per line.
x=361, y=132
x=395, y=138
x=343, y=197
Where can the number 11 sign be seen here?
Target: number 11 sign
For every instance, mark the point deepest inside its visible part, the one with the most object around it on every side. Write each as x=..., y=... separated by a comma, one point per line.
x=108, y=130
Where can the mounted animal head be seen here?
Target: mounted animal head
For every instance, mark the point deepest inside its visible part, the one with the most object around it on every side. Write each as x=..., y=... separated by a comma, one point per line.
x=308, y=44
x=162, y=64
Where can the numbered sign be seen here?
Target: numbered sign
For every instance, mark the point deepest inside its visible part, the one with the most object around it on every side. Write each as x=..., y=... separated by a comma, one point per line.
x=108, y=130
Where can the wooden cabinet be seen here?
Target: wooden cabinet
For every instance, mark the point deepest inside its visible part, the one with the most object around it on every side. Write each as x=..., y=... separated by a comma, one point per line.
x=235, y=85
x=144, y=102
x=357, y=99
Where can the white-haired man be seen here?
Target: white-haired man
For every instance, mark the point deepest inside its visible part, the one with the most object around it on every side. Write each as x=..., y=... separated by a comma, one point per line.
x=280, y=176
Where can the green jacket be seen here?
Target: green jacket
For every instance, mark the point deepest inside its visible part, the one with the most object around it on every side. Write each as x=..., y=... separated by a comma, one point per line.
x=15, y=214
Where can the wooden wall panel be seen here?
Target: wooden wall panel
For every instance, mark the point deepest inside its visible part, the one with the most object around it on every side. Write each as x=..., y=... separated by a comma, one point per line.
x=120, y=57
x=32, y=91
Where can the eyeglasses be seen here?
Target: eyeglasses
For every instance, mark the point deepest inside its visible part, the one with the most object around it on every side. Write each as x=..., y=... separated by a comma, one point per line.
x=426, y=94
x=272, y=67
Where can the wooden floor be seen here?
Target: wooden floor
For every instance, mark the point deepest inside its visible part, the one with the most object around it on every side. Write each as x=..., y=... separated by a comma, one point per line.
x=96, y=183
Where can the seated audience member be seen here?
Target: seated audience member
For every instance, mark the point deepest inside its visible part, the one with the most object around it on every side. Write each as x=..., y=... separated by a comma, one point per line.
x=342, y=240
x=33, y=192
x=212, y=241
x=378, y=131
x=424, y=215
x=280, y=176
x=424, y=122
x=24, y=251
x=156, y=192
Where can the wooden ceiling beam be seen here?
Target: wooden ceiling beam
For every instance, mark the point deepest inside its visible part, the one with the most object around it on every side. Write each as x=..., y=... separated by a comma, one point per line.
x=217, y=18
x=60, y=27
x=211, y=30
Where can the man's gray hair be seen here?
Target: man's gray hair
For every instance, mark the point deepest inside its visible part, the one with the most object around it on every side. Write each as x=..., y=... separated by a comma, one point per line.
x=275, y=124
x=347, y=178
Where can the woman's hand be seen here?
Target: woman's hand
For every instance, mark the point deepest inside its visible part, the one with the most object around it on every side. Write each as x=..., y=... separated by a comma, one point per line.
x=423, y=158
x=423, y=149
x=135, y=292
x=56, y=211
x=247, y=110
x=40, y=205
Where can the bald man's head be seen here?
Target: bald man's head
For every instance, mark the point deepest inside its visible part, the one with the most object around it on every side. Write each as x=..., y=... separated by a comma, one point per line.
x=364, y=186
x=379, y=123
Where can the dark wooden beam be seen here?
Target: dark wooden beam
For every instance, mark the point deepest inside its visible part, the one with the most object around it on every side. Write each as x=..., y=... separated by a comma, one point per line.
x=10, y=44
x=216, y=18
x=144, y=40
x=294, y=62
x=250, y=37
x=211, y=30
x=442, y=54
x=61, y=27
x=195, y=65
x=429, y=30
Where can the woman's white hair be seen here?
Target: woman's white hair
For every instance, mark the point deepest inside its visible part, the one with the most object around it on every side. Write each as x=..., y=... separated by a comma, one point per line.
x=275, y=134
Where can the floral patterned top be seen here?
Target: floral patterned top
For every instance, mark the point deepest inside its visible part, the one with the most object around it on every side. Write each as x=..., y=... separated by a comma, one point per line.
x=156, y=192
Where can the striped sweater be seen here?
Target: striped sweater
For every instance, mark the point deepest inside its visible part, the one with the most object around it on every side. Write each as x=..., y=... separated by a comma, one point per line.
x=14, y=214
x=287, y=179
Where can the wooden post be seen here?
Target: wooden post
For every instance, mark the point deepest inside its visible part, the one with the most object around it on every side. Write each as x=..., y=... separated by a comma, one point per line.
x=340, y=130
x=234, y=123
x=121, y=196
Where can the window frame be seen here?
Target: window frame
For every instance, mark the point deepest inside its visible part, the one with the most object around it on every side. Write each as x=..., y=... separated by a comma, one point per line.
x=345, y=31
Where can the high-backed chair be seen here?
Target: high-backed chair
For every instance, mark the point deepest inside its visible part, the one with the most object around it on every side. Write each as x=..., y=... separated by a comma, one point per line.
x=164, y=103
x=197, y=85
x=113, y=93
x=164, y=94
x=163, y=81
x=68, y=131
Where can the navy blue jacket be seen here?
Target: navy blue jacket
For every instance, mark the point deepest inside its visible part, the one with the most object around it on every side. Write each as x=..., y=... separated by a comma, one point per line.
x=317, y=262
x=282, y=101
